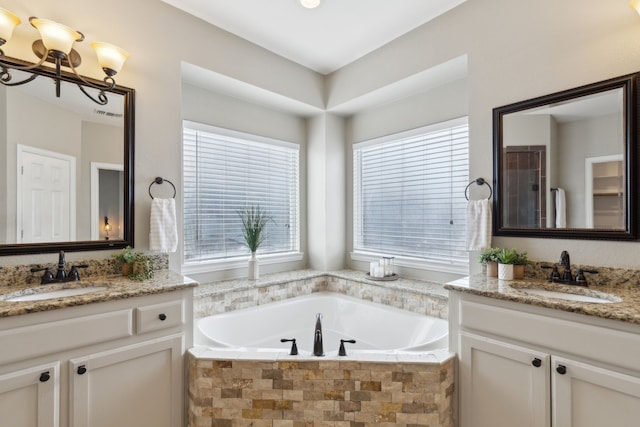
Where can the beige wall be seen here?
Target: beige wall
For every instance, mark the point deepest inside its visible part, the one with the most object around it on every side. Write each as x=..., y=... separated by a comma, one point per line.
x=515, y=51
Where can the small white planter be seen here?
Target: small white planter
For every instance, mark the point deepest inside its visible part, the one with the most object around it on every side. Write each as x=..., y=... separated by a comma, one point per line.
x=254, y=267
x=505, y=271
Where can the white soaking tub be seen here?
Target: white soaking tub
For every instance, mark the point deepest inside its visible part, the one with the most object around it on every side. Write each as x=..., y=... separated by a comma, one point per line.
x=376, y=328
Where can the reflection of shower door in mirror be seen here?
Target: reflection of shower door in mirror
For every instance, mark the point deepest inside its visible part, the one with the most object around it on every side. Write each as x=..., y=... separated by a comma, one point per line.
x=524, y=198
x=46, y=196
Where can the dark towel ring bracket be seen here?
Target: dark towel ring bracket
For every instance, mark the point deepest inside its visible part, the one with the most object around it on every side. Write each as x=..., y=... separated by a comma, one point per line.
x=479, y=181
x=160, y=180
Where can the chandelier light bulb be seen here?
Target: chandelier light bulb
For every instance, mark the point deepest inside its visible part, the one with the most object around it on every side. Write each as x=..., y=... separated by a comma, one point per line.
x=310, y=4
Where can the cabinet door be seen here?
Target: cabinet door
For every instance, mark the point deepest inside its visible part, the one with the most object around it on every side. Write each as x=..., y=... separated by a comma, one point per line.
x=503, y=385
x=588, y=396
x=30, y=397
x=139, y=385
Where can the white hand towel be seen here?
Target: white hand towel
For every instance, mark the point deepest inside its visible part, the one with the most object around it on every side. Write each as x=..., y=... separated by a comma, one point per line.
x=561, y=209
x=163, y=229
x=478, y=224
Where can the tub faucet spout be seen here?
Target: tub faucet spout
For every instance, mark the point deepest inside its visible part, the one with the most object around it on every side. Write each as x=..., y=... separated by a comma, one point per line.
x=318, y=349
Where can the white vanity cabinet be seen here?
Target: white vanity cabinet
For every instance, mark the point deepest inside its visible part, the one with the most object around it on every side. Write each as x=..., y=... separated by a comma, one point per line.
x=117, y=363
x=30, y=397
x=531, y=366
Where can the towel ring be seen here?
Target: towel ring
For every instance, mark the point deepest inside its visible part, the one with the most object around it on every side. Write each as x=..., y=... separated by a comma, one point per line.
x=159, y=180
x=479, y=181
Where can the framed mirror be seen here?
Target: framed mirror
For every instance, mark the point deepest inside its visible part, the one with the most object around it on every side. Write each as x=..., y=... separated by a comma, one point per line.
x=565, y=164
x=67, y=166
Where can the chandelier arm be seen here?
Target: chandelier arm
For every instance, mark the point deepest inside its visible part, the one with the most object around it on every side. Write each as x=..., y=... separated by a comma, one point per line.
x=102, y=97
x=5, y=77
x=19, y=67
x=109, y=82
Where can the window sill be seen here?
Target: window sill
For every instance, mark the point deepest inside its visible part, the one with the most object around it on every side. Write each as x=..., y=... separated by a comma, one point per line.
x=238, y=262
x=417, y=263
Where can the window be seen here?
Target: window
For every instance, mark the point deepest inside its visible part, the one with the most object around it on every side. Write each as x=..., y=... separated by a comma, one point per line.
x=226, y=171
x=409, y=197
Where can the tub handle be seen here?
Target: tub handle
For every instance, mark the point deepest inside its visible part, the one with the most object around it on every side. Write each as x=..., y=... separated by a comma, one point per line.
x=294, y=346
x=342, y=351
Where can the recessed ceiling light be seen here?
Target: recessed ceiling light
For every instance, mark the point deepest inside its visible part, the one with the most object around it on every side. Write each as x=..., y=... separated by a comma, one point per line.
x=310, y=4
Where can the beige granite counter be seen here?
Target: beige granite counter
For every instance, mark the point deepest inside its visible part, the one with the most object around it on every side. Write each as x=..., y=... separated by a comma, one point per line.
x=625, y=306
x=118, y=287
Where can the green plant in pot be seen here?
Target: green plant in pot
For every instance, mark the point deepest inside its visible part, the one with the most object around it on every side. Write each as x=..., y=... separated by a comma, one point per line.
x=134, y=264
x=254, y=221
x=507, y=260
x=488, y=258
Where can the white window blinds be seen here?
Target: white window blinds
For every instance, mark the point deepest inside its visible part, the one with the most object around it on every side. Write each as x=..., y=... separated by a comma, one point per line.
x=409, y=195
x=226, y=171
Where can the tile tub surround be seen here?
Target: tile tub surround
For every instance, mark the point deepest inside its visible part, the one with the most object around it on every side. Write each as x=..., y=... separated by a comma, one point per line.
x=291, y=392
x=422, y=297
x=623, y=285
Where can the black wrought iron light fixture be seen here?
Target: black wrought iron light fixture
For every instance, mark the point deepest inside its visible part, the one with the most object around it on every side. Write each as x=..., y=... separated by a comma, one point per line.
x=56, y=46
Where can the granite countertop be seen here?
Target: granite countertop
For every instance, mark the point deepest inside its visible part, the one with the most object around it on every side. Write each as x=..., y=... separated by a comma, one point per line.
x=625, y=305
x=118, y=287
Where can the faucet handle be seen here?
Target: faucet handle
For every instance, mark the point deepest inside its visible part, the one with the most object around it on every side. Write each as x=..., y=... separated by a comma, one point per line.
x=342, y=351
x=47, y=277
x=74, y=275
x=580, y=277
x=555, y=275
x=294, y=346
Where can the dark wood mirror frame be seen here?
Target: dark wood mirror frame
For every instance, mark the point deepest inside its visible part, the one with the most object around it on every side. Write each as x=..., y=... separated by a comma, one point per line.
x=128, y=95
x=629, y=86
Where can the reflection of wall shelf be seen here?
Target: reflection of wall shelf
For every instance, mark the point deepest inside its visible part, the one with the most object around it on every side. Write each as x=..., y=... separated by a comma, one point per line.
x=605, y=183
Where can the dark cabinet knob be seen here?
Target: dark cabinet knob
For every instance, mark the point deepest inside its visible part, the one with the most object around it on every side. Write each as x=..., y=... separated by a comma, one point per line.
x=44, y=377
x=162, y=317
x=82, y=369
x=561, y=369
x=536, y=362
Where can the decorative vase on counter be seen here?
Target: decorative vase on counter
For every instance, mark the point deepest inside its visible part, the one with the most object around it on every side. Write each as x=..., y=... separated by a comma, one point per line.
x=492, y=269
x=505, y=271
x=254, y=267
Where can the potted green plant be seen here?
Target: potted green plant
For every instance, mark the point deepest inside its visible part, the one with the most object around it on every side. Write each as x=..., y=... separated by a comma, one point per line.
x=488, y=259
x=254, y=220
x=125, y=259
x=134, y=264
x=507, y=260
x=518, y=265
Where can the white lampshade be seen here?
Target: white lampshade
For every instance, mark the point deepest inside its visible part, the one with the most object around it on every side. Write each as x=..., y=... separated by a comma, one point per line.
x=310, y=4
x=56, y=36
x=110, y=57
x=8, y=21
x=635, y=4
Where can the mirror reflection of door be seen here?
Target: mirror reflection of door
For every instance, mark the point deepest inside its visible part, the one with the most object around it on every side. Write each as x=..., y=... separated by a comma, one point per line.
x=46, y=196
x=604, y=182
x=524, y=203
x=107, y=200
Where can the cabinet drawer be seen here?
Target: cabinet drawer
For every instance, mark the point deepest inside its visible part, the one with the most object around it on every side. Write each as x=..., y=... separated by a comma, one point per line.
x=559, y=335
x=48, y=338
x=159, y=316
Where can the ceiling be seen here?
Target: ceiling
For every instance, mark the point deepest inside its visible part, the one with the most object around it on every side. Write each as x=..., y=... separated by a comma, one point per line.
x=323, y=39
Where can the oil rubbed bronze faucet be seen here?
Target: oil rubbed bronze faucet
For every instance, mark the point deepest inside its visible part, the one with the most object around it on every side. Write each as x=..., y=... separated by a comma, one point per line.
x=567, y=277
x=61, y=274
x=318, y=349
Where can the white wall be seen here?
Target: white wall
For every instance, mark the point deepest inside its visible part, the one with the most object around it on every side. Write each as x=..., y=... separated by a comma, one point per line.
x=515, y=51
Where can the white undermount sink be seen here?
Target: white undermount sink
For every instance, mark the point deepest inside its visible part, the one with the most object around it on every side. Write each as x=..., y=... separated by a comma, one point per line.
x=602, y=298
x=37, y=294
